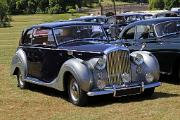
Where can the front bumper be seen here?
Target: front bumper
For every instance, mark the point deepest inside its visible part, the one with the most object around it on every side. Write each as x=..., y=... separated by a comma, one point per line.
x=113, y=90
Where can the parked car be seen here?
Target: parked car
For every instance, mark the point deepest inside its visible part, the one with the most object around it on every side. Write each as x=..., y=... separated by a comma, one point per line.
x=76, y=57
x=165, y=14
x=161, y=36
x=97, y=19
x=118, y=22
x=176, y=10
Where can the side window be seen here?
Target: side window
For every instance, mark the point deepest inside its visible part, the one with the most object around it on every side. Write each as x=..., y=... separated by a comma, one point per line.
x=144, y=32
x=43, y=37
x=129, y=34
x=27, y=39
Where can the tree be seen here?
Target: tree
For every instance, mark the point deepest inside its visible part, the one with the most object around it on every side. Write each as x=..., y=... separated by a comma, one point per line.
x=11, y=6
x=43, y=5
x=31, y=6
x=168, y=4
x=156, y=4
x=4, y=17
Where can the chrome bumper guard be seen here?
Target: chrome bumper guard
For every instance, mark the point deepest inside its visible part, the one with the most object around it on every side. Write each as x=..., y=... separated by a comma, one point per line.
x=117, y=92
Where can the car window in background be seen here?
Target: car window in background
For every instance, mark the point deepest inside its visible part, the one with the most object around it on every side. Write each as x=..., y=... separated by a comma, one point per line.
x=129, y=34
x=144, y=32
x=148, y=17
x=167, y=28
x=79, y=32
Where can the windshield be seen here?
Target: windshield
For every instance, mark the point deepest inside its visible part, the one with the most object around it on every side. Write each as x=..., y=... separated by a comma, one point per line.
x=79, y=32
x=167, y=28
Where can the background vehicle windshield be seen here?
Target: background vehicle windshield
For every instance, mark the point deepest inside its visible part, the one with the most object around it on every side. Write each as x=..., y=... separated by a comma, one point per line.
x=70, y=33
x=167, y=28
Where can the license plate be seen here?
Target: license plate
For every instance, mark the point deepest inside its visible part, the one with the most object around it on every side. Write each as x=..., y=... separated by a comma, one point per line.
x=125, y=92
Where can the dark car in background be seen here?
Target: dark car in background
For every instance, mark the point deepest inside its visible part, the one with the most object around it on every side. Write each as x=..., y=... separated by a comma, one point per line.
x=118, y=22
x=77, y=57
x=96, y=19
x=161, y=36
x=176, y=10
x=165, y=14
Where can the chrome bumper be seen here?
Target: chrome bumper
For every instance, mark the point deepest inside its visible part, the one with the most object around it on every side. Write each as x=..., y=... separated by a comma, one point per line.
x=113, y=91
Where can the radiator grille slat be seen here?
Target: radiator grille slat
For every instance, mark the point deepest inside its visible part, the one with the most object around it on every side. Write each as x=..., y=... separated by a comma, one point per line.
x=118, y=63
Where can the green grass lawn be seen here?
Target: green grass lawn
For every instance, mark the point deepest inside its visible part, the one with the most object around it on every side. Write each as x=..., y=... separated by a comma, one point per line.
x=40, y=103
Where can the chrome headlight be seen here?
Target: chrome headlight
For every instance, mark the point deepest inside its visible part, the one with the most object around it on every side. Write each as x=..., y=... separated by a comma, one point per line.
x=101, y=63
x=138, y=59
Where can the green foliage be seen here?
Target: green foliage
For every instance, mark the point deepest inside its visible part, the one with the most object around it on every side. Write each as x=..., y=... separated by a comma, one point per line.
x=55, y=9
x=168, y=4
x=163, y=4
x=156, y=4
x=4, y=17
x=72, y=11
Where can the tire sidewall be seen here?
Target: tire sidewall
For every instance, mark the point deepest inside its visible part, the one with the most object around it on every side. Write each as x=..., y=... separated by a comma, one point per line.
x=20, y=80
x=82, y=100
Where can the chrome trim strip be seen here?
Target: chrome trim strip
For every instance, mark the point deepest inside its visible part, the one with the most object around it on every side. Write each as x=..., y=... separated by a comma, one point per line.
x=55, y=49
x=113, y=90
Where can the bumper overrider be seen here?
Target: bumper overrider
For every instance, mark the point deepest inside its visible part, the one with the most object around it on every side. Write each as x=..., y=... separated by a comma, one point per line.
x=124, y=91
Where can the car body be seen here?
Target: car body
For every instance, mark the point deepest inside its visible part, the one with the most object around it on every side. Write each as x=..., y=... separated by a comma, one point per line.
x=159, y=36
x=176, y=10
x=77, y=57
x=118, y=22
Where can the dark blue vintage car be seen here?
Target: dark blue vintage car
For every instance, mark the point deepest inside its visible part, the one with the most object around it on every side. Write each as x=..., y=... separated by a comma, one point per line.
x=77, y=57
x=160, y=36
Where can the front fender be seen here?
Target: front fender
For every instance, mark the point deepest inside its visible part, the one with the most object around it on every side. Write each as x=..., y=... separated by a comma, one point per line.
x=79, y=70
x=19, y=61
x=150, y=65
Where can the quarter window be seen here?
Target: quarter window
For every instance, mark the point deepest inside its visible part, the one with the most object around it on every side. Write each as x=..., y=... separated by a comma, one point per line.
x=27, y=37
x=129, y=34
x=43, y=37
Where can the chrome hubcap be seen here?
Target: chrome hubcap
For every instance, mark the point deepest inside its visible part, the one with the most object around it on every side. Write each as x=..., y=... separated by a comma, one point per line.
x=74, y=90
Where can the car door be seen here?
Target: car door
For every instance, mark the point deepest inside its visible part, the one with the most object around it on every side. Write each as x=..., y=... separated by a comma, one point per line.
x=33, y=58
x=42, y=55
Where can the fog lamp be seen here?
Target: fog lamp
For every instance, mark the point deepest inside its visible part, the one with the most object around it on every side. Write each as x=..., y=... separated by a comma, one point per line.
x=101, y=84
x=149, y=77
x=101, y=63
x=126, y=77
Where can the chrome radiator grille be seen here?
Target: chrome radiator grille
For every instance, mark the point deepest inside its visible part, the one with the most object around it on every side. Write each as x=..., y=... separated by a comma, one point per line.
x=118, y=62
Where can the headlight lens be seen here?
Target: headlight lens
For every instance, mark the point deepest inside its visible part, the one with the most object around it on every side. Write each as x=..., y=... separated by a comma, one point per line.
x=101, y=63
x=149, y=77
x=138, y=59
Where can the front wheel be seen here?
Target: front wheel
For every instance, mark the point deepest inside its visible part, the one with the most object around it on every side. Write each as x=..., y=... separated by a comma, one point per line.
x=148, y=92
x=76, y=95
x=22, y=84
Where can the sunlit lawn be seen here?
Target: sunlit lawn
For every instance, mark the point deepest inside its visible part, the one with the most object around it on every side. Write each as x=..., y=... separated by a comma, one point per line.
x=40, y=103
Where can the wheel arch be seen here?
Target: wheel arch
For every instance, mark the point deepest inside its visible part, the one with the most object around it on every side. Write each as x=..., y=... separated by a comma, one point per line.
x=79, y=70
x=19, y=62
